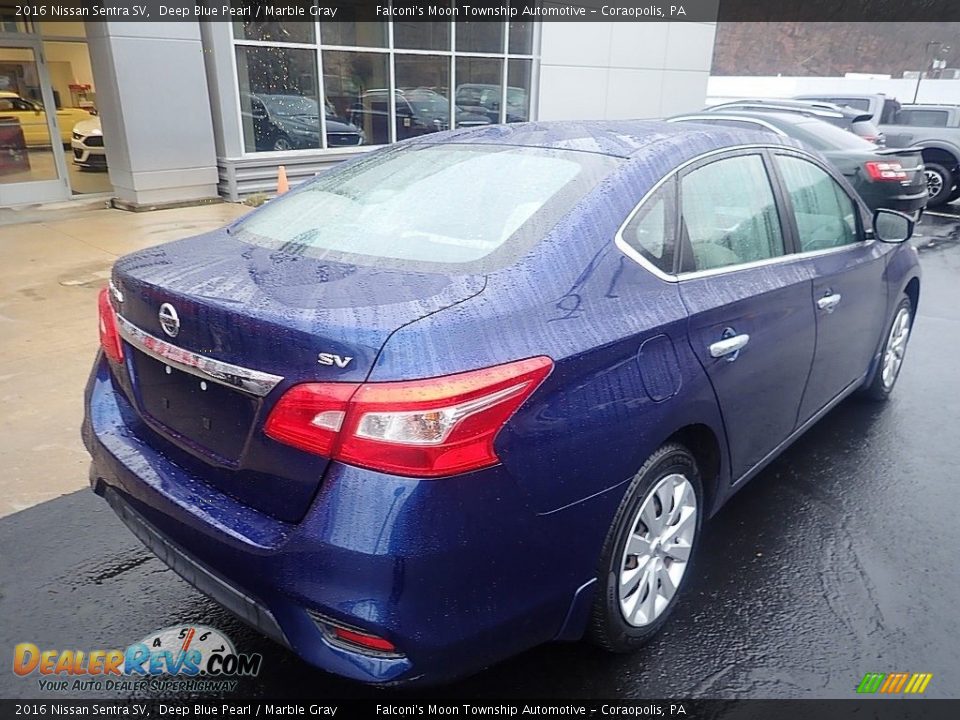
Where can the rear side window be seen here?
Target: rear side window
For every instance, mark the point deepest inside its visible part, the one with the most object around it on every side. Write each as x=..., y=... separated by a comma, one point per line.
x=826, y=216
x=729, y=214
x=923, y=118
x=855, y=103
x=652, y=231
x=451, y=205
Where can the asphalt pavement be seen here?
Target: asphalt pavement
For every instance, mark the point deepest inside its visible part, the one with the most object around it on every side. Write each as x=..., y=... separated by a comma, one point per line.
x=838, y=560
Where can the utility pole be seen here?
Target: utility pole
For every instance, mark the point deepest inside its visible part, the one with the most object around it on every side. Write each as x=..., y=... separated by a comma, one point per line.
x=928, y=62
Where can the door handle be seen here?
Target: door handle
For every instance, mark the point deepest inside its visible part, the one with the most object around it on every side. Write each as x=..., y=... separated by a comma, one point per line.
x=729, y=347
x=829, y=302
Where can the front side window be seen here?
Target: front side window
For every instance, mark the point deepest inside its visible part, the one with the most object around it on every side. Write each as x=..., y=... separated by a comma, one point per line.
x=729, y=214
x=826, y=216
x=652, y=231
x=437, y=205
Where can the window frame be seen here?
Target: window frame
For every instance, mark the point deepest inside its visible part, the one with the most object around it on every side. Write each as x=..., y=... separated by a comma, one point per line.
x=671, y=186
x=785, y=212
x=789, y=245
x=863, y=238
x=391, y=52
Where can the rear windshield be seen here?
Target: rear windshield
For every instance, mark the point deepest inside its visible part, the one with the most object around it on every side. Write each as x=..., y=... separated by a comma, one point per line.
x=475, y=206
x=824, y=136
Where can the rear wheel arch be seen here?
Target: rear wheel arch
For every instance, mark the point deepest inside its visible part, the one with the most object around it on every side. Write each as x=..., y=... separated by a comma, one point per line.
x=941, y=156
x=704, y=445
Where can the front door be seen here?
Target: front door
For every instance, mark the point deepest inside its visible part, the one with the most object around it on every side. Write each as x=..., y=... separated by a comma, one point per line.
x=32, y=163
x=849, y=294
x=751, y=321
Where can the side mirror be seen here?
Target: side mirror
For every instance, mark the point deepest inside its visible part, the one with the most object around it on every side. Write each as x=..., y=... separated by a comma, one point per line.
x=890, y=226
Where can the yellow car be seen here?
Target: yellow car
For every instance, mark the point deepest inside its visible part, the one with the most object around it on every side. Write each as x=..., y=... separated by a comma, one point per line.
x=33, y=119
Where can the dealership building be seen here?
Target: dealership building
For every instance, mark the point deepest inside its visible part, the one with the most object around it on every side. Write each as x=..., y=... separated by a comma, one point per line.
x=186, y=111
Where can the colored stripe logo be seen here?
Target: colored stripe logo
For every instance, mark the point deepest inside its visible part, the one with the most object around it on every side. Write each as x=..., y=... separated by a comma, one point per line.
x=895, y=683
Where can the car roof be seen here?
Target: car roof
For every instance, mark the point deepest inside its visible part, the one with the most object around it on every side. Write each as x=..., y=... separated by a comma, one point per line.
x=616, y=138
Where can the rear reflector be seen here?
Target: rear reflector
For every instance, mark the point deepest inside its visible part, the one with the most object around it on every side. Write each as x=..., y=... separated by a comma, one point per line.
x=363, y=640
x=418, y=428
x=891, y=171
x=352, y=638
x=109, y=333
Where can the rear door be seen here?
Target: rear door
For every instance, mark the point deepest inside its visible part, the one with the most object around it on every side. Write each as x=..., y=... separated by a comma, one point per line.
x=849, y=295
x=751, y=321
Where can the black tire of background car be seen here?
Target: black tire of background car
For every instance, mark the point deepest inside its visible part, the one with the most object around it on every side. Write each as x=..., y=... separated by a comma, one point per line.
x=946, y=188
x=608, y=629
x=875, y=391
x=281, y=143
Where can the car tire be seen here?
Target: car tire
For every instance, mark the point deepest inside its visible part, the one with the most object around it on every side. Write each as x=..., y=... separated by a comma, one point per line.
x=622, y=621
x=939, y=184
x=281, y=143
x=892, y=354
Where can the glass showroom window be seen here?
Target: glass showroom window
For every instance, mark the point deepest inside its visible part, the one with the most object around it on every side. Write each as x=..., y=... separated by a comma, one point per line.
x=377, y=82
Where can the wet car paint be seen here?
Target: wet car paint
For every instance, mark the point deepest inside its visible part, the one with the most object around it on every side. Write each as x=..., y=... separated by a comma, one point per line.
x=835, y=561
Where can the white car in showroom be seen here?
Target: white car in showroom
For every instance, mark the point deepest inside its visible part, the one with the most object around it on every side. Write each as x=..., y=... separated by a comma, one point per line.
x=87, y=144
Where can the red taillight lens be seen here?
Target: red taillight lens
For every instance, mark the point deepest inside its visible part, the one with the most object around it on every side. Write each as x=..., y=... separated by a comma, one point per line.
x=363, y=640
x=310, y=416
x=419, y=428
x=889, y=171
x=109, y=333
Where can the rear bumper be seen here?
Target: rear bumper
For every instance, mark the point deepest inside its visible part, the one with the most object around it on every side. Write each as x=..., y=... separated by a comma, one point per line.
x=906, y=200
x=457, y=573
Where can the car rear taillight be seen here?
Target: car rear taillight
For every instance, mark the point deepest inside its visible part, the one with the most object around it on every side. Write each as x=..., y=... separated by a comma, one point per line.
x=353, y=638
x=885, y=171
x=419, y=428
x=109, y=333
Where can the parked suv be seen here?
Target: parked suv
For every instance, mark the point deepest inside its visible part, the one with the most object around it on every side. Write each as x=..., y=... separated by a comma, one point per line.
x=855, y=121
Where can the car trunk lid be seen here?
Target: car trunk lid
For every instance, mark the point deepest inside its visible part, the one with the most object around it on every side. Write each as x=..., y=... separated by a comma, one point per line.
x=249, y=323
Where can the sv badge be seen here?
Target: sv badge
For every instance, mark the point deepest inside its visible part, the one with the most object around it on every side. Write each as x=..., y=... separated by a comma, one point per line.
x=331, y=359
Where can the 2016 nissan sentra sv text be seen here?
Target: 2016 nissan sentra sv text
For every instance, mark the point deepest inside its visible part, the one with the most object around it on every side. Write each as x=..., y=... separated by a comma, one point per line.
x=480, y=390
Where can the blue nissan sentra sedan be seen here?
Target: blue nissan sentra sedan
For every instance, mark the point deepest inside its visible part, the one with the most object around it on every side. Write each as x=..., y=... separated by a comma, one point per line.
x=480, y=390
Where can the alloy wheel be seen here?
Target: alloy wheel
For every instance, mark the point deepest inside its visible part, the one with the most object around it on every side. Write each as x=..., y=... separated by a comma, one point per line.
x=657, y=550
x=895, y=348
x=282, y=143
x=934, y=182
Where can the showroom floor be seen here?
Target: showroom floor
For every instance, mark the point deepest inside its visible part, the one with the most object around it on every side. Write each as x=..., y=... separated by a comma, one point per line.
x=50, y=272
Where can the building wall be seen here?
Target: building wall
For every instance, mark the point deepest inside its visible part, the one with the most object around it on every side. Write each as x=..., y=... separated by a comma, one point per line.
x=155, y=110
x=619, y=70
x=584, y=70
x=720, y=89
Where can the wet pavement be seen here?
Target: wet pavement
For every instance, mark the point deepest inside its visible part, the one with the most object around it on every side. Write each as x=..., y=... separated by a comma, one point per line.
x=839, y=559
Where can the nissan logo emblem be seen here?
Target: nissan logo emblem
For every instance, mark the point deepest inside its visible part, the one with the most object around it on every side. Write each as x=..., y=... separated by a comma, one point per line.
x=169, y=320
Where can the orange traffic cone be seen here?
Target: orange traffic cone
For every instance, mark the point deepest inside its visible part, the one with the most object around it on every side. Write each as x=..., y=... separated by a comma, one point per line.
x=282, y=184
